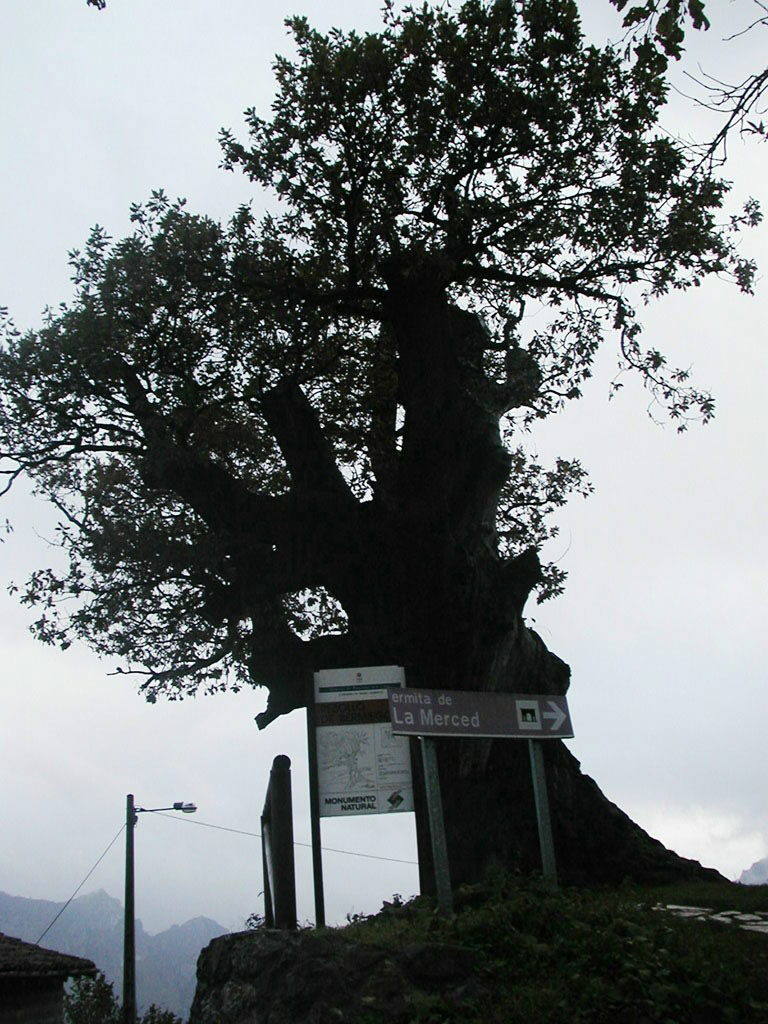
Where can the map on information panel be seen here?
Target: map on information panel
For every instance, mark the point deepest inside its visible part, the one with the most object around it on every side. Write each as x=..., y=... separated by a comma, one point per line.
x=362, y=768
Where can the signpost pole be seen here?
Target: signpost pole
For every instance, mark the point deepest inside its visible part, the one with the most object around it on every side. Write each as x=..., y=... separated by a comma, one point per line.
x=314, y=812
x=423, y=840
x=541, y=799
x=476, y=714
x=436, y=825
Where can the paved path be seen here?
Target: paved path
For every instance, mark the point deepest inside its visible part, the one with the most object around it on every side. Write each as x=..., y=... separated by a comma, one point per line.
x=757, y=922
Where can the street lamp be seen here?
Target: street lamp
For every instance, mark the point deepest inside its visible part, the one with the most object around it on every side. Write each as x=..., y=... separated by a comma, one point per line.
x=132, y=813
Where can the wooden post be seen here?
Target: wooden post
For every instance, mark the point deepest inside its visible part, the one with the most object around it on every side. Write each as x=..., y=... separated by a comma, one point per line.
x=281, y=835
x=277, y=853
x=269, y=906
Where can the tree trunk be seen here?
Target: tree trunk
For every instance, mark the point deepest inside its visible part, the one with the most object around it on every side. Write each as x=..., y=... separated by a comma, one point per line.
x=449, y=609
x=418, y=571
x=490, y=819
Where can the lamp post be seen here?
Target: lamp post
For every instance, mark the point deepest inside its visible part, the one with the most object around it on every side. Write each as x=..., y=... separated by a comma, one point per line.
x=132, y=813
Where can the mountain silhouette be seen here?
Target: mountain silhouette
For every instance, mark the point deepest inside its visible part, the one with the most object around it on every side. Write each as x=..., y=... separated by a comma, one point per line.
x=757, y=874
x=92, y=927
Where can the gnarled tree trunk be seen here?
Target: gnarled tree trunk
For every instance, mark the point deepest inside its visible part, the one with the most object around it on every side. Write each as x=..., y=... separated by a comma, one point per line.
x=419, y=574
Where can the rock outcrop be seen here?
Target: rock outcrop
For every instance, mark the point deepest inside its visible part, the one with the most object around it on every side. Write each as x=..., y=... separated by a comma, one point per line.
x=324, y=977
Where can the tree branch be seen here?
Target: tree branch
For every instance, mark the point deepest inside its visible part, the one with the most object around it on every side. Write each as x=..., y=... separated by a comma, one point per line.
x=517, y=578
x=306, y=450
x=221, y=499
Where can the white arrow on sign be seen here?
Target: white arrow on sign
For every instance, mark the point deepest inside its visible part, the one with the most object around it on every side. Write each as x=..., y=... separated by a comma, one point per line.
x=556, y=713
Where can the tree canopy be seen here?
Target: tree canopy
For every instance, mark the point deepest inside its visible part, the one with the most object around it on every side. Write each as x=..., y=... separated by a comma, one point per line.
x=230, y=418
x=661, y=25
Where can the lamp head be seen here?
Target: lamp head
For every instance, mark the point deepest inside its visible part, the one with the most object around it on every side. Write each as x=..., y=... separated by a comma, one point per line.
x=187, y=808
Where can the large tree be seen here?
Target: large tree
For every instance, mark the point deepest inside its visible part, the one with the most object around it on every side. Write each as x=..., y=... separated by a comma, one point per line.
x=297, y=441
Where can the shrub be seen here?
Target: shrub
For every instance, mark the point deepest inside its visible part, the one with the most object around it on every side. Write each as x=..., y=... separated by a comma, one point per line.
x=93, y=1001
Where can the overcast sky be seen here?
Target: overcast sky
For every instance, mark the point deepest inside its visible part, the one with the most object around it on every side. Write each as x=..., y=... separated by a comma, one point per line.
x=663, y=618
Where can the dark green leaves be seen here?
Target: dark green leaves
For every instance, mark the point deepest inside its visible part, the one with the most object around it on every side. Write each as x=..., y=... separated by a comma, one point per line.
x=665, y=21
x=479, y=153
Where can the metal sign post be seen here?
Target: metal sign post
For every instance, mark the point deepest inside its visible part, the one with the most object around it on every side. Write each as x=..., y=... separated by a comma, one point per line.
x=546, y=845
x=436, y=825
x=463, y=713
x=314, y=812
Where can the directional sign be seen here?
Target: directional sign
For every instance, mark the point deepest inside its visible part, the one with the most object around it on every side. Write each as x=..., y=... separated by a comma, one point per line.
x=479, y=713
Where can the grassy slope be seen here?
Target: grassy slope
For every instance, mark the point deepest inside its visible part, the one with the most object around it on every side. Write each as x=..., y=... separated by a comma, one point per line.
x=583, y=957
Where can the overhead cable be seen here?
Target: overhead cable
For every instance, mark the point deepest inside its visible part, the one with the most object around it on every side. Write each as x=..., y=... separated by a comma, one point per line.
x=257, y=835
x=77, y=890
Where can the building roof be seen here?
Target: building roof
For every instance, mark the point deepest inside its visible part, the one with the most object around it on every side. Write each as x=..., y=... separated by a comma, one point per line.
x=25, y=960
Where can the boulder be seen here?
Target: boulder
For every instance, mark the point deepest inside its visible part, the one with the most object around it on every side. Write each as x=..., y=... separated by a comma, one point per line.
x=326, y=977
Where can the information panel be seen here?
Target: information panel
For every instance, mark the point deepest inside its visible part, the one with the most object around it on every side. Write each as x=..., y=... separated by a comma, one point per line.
x=362, y=768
